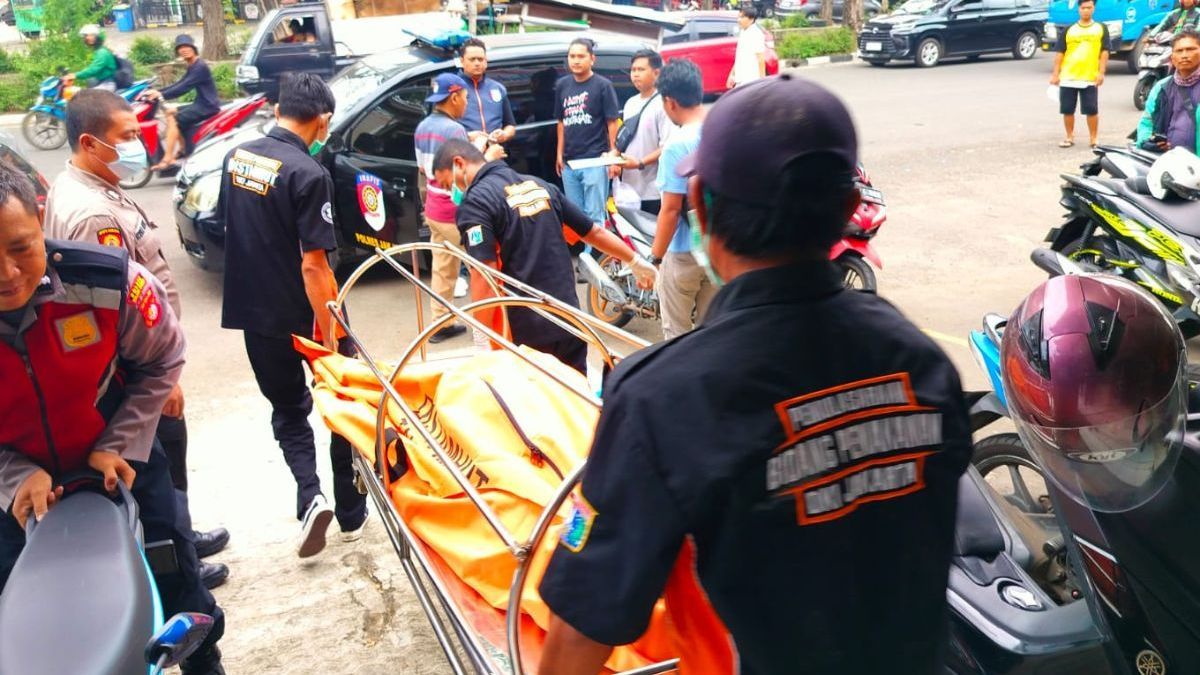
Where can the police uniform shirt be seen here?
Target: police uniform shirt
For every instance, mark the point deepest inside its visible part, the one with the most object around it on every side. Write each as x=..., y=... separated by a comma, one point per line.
x=516, y=221
x=808, y=440
x=275, y=201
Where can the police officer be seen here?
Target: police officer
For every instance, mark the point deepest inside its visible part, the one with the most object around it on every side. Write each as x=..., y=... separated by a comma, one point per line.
x=275, y=201
x=805, y=441
x=488, y=111
x=87, y=204
x=89, y=352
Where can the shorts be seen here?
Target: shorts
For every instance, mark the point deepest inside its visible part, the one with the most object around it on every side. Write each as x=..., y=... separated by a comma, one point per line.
x=188, y=117
x=1088, y=98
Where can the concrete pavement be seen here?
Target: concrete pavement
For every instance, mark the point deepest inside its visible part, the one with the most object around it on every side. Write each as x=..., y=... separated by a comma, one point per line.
x=966, y=156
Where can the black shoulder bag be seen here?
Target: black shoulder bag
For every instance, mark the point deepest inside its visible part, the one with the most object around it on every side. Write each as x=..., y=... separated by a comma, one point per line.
x=629, y=128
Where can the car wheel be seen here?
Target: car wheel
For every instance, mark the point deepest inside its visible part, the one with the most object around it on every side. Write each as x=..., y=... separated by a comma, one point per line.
x=1025, y=46
x=929, y=53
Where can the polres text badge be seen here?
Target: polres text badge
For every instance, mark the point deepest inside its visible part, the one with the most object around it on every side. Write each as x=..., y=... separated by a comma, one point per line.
x=370, y=200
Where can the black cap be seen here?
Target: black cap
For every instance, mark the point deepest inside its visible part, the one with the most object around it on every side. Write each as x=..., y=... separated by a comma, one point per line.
x=183, y=40
x=752, y=133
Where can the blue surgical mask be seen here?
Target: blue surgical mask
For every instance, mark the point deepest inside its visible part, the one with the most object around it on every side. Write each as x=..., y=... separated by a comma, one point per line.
x=131, y=158
x=456, y=193
x=700, y=250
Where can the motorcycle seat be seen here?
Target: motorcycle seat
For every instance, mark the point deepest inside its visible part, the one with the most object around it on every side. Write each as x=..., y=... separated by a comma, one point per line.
x=1177, y=214
x=646, y=223
x=976, y=532
x=79, y=599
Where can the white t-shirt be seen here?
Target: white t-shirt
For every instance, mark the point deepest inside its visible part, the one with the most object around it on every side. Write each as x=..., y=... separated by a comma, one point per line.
x=751, y=43
x=653, y=129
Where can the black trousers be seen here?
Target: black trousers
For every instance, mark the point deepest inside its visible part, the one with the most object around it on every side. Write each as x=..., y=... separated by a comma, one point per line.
x=568, y=349
x=279, y=370
x=172, y=434
x=155, y=495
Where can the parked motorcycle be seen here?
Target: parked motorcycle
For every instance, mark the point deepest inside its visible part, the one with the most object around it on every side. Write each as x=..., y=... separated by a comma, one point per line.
x=1114, y=225
x=1144, y=603
x=613, y=294
x=81, y=597
x=45, y=125
x=1153, y=65
x=154, y=128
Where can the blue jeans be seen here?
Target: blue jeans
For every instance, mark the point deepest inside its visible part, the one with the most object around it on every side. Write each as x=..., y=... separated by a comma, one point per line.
x=588, y=189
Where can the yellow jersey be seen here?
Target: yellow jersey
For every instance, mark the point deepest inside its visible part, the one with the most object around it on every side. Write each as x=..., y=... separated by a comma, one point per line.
x=1081, y=47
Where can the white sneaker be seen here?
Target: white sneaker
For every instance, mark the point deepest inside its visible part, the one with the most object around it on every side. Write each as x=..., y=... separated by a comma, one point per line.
x=313, y=527
x=461, y=288
x=356, y=533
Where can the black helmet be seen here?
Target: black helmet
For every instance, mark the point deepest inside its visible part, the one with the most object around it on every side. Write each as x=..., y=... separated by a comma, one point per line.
x=184, y=40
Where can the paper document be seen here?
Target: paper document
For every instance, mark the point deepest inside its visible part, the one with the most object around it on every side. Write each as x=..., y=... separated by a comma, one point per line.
x=605, y=160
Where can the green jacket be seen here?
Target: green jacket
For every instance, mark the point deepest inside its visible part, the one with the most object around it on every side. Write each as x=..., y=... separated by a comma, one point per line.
x=1155, y=117
x=102, y=68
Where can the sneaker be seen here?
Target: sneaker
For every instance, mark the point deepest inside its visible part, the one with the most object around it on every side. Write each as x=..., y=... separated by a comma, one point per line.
x=461, y=288
x=313, y=527
x=447, y=333
x=356, y=533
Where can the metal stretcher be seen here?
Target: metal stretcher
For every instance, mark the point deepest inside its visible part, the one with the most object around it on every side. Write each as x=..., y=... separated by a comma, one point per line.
x=475, y=637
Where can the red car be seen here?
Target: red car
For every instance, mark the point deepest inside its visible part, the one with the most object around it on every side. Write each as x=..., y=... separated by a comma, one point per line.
x=710, y=39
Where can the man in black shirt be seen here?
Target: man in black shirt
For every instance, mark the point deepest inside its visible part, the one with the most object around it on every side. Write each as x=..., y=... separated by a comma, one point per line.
x=805, y=441
x=515, y=222
x=275, y=201
x=585, y=105
x=183, y=121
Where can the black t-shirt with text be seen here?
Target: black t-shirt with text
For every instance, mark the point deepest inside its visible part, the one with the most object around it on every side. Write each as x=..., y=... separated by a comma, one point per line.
x=275, y=202
x=585, y=108
x=517, y=220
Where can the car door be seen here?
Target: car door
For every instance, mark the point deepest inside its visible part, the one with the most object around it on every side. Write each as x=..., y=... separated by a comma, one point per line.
x=377, y=200
x=1000, y=24
x=965, y=31
x=287, y=49
x=530, y=84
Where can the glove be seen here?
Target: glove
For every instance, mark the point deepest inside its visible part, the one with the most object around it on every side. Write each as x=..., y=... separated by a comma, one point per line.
x=643, y=271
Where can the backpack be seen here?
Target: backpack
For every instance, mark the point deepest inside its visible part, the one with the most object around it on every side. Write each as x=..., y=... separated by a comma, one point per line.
x=124, y=76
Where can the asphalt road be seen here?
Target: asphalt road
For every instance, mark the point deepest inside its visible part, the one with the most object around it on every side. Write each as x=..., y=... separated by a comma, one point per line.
x=966, y=155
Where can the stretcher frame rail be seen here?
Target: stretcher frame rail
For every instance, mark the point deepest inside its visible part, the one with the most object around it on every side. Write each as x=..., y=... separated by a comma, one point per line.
x=431, y=590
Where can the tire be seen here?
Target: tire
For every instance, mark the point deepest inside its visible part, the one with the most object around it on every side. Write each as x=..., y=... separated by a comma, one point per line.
x=1006, y=452
x=1141, y=92
x=599, y=306
x=1026, y=46
x=1135, y=55
x=44, y=131
x=929, y=53
x=857, y=275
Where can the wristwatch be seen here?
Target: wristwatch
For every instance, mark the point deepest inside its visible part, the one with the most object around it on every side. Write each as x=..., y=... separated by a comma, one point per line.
x=641, y=164
x=655, y=260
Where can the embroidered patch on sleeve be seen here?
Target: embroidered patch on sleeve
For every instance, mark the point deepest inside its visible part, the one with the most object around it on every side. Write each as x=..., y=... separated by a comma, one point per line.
x=578, y=526
x=475, y=236
x=111, y=236
x=78, y=331
x=142, y=296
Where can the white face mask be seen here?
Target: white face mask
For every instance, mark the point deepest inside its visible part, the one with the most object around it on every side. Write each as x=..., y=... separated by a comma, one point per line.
x=131, y=158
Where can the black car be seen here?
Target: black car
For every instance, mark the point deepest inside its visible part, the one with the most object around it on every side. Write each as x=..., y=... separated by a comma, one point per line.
x=926, y=31
x=380, y=101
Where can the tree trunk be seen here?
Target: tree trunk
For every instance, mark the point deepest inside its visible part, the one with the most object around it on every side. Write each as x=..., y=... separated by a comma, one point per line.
x=215, y=47
x=852, y=15
x=472, y=17
x=826, y=13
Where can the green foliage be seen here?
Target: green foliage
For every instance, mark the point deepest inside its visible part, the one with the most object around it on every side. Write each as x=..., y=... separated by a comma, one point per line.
x=147, y=51
x=223, y=76
x=15, y=93
x=8, y=62
x=795, y=21
x=839, y=40
x=236, y=40
x=65, y=17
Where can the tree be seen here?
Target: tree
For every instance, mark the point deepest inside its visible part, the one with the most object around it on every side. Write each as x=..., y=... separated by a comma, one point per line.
x=826, y=14
x=215, y=46
x=852, y=14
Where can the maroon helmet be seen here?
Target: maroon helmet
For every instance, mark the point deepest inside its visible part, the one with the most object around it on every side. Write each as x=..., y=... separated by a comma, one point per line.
x=1095, y=374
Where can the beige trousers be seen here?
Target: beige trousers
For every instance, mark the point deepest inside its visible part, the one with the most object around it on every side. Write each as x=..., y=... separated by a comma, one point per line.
x=684, y=293
x=445, y=266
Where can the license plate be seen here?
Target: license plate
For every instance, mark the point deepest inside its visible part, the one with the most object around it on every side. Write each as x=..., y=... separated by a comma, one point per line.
x=871, y=195
x=874, y=46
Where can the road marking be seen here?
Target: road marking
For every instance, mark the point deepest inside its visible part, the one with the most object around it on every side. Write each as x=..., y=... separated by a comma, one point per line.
x=952, y=339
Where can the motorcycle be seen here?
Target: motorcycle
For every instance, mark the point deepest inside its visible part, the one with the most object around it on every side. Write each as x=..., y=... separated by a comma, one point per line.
x=1114, y=225
x=153, y=128
x=1132, y=569
x=1153, y=65
x=45, y=125
x=613, y=293
x=81, y=597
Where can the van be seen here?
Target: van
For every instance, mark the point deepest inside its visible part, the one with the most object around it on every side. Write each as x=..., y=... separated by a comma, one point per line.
x=1128, y=23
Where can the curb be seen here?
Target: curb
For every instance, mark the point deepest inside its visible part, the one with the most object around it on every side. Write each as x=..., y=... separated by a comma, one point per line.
x=818, y=61
x=11, y=119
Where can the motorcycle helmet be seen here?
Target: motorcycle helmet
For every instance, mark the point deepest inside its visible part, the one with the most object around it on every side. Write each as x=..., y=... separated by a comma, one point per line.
x=94, y=30
x=1095, y=373
x=1178, y=172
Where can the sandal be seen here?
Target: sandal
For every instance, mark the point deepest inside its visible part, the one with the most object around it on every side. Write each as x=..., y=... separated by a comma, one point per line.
x=1065, y=144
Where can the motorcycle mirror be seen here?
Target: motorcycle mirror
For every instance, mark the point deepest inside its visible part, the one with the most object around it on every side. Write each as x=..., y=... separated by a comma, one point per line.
x=178, y=638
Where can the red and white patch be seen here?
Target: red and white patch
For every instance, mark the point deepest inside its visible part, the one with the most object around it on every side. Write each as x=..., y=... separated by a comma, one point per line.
x=142, y=296
x=111, y=236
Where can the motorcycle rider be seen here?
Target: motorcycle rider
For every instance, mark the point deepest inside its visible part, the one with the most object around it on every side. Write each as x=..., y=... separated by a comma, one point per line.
x=1095, y=372
x=804, y=443
x=1184, y=17
x=89, y=352
x=182, y=121
x=102, y=71
x=1171, y=119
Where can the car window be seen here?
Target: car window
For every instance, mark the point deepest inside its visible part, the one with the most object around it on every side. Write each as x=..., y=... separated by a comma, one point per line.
x=707, y=30
x=387, y=129
x=616, y=68
x=673, y=37
x=530, y=88
x=294, y=29
x=969, y=6
x=1001, y=4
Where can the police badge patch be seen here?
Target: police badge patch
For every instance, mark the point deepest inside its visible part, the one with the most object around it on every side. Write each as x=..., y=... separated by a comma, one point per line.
x=475, y=236
x=578, y=525
x=327, y=213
